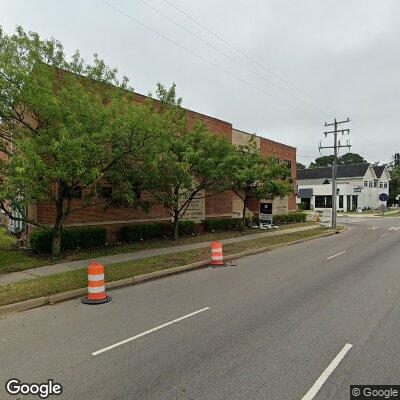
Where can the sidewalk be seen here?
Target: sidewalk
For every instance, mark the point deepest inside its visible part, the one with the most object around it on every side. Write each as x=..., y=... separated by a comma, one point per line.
x=33, y=273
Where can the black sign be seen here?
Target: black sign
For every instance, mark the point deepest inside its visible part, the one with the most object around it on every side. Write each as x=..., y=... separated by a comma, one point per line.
x=265, y=208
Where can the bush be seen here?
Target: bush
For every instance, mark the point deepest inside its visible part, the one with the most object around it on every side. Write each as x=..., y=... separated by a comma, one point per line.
x=40, y=240
x=155, y=230
x=280, y=219
x=222, y=224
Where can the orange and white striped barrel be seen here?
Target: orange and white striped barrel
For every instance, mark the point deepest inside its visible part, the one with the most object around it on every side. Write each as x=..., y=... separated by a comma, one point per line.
x=217, y=256
x=96, y=285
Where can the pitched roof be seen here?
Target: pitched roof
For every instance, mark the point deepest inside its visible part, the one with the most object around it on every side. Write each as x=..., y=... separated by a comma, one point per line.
x=344, y=171
x=378, y=170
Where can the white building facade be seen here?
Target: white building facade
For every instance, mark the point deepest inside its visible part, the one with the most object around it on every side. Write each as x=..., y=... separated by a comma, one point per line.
x=358, y=185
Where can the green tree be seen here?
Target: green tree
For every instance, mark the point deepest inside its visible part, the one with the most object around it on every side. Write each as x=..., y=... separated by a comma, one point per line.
x=394, y=185
x=351, y=158
x=253, y=177
x=65, y=126
x=345, y=159
x=324, y=161
x=186, y=163
x=300, y=165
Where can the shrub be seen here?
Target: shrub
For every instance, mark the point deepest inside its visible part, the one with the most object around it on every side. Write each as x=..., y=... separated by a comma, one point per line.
x=155, y=230
x=222, y=224
x=71, y=239
x=40, y=241
x=280, y=219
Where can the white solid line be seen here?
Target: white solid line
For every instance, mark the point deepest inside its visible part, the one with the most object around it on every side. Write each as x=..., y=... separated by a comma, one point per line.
x=149, y=331
x=384, y=234
x=338, y=254
x=325, y=375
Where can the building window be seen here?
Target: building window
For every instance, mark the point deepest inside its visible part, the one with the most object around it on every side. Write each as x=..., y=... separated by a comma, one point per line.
x=385, y=185
x=288, y=163
x=381, y=184
x=375, y=183
x=341, y=201
x=323, y=201
x=365, y=183
x=370, y=184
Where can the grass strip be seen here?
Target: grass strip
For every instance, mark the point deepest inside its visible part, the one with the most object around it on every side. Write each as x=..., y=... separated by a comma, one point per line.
x=13, y=259
x=67, y=281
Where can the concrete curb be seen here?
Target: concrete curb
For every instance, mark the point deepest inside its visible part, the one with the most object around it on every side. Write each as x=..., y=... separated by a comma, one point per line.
x=59, y=297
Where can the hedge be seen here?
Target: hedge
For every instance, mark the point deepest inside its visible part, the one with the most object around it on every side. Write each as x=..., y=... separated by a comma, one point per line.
x=280, y=219
x=222, y=224
x=40, y=240
x=155, y=230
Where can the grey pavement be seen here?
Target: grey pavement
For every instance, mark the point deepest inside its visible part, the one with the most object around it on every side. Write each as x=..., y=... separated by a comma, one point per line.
x=274, y=323
x=33, y=273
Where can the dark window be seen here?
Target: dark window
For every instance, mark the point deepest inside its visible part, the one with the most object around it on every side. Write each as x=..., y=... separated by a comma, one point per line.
x=323, y=201
x=341, y=201
x=288, y=163
x=105, y=192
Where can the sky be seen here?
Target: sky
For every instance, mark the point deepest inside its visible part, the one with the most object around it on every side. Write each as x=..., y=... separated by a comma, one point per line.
x=277, y=68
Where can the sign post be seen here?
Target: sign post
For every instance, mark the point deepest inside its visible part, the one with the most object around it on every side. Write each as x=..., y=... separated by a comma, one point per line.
x=383, y=197
x=265, y=214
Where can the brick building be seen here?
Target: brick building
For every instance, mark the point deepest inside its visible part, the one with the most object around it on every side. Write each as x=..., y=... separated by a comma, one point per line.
x=221, y=205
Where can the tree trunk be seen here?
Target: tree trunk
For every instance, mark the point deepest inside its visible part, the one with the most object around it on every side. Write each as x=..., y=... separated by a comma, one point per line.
x=244, y=215
x=176, y=224
x=56, y=243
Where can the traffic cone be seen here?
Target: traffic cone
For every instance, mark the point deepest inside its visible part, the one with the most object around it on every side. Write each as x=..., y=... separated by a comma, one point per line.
x=96, y=285
x=217, y=256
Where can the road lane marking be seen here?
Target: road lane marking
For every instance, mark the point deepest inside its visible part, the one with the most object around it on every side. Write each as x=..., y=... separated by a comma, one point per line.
x=149, y=331
x=338, y=254
x=328, y=371
x=385, y=234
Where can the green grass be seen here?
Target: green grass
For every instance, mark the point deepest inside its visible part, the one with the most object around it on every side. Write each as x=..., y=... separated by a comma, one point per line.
x=13, y=259
x=63, y=282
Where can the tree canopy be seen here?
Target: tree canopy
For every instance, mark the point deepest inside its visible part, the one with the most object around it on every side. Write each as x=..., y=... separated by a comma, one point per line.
x=345, y=159
x=65, y=125
x=254, y=177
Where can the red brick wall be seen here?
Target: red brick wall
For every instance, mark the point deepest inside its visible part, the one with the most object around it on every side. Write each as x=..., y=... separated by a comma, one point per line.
x=282, y=152
x=218, y=205
x=113, y=218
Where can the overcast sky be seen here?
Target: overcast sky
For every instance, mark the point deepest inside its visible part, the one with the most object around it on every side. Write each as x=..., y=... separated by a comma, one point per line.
x=315, y=60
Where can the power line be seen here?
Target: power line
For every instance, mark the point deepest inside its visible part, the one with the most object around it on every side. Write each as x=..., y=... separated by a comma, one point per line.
x=238, y=50
x=228, y=56
x=203, y=58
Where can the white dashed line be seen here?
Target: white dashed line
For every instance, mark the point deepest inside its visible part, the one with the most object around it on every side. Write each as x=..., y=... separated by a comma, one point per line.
x=338, y=254
x=385, y=234
x=328, y=371
x=149, y=331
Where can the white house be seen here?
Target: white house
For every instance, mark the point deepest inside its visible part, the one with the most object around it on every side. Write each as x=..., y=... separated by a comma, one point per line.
x=359, y=185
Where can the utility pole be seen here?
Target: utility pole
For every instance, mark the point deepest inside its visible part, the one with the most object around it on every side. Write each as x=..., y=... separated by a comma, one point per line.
x=336, y=146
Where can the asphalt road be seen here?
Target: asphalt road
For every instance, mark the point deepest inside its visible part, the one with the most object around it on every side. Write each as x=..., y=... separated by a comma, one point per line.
x=278, y=325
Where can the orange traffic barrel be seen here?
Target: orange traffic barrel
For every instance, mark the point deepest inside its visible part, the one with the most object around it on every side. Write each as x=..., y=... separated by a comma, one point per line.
x=217, y=256
x=96, y=285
